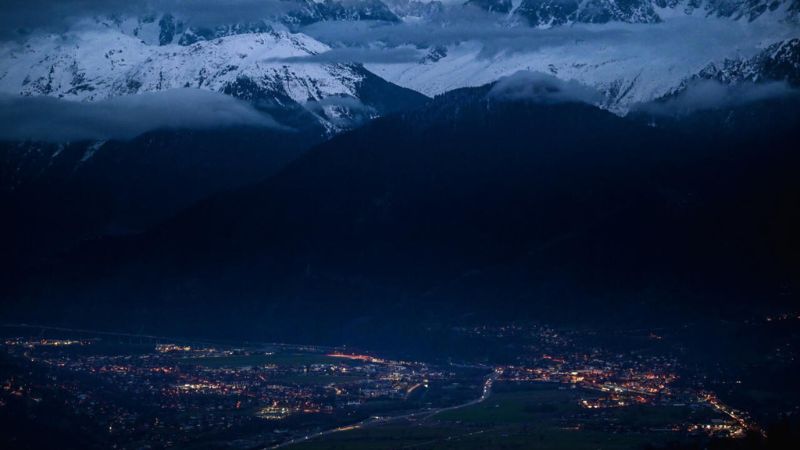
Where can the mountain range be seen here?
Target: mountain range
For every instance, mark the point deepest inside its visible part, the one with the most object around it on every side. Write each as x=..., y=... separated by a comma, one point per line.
x=473, y=205
x=114, y=186
x=636, y=156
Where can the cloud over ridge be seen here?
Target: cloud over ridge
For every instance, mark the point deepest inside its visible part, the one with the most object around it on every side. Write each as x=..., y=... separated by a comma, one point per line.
x=540, y=87
x=43, y=118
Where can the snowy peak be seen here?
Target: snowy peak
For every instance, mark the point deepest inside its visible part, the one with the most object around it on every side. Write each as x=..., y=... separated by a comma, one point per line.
x=98, y=65
x=496, y=6
x=310, y=11
x=560, y=12
x=273, y=70
x=748, y=10
x=547, y=13
x=166, y=28
x=627, y=63
x=778, y=62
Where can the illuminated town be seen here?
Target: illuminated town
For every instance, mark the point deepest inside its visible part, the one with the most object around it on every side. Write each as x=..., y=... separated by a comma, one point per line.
x=165, y=394
x=184, y=390
x=617, y=380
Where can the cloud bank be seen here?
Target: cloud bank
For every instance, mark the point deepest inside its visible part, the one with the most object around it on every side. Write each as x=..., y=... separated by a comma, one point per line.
x=376, y=54
x=643, y=61
x=539, y=87
x=702, y=95
x=54, y=120
x=676, y=35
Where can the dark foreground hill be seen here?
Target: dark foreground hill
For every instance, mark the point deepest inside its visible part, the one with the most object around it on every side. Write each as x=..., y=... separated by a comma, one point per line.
x=55, y=194
x=470, y=208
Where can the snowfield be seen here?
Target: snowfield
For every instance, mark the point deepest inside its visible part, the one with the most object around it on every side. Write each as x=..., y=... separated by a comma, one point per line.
x=627, y=63
x=96, y=64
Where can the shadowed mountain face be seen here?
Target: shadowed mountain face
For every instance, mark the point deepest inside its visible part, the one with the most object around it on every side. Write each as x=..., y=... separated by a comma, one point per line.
x=91, y=188
x=470, y=205
x=59, y=194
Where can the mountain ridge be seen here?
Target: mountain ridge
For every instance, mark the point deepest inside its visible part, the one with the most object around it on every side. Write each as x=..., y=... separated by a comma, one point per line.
x=489, y=208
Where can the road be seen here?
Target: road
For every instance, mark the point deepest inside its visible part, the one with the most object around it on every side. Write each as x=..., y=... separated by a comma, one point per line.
x=375, y=421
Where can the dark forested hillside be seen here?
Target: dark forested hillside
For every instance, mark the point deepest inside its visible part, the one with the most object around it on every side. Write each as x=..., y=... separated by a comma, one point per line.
x=471, y=205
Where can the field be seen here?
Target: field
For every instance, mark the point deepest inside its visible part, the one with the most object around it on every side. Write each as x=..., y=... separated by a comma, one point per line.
x=530, y=416
x=281, y=359
x=454, y=437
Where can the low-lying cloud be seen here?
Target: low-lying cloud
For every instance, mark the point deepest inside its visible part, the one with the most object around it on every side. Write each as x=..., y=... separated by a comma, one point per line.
x=364, y=55
x=702, y=95
x=540, y=87
x=495, y=36
x=53, y=120
x=344, y=111
x=680, y=35
x=630, y=62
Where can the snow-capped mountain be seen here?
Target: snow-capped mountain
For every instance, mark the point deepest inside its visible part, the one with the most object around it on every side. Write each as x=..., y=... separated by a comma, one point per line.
x=559, y=12
x=281, y=67
x=274, y=69
x=546, y=13
x=163, y=28
x=632, y=51
x=627, y=63
x=747, y=10
x=778, y=62
x=97, y=65
x=310, y=11
x=94, y=188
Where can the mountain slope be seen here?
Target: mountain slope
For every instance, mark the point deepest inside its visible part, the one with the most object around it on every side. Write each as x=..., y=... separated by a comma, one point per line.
x=165, y=27
x=96, y=65
x=551, y=13
x=778, y=62
x=471, y=205
x=117, y=186
x=631, y=51
x=626, y=72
